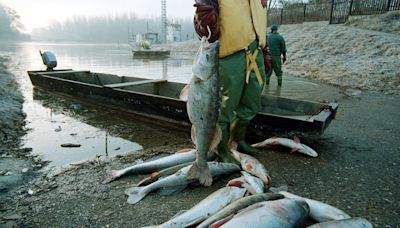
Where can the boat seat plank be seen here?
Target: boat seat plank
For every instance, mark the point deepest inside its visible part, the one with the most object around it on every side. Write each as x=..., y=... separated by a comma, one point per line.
x=116, y=85
x=65, y=72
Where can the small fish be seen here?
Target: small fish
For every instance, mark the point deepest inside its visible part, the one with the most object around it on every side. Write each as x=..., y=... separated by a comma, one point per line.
x=252, y=165
x=175, y=183
x=319, y=211
x=236, y=206
x=208, y=206
x=344, y=223
x=295, y=145
x=280, y=213
x=203, y=108
x=153, y=166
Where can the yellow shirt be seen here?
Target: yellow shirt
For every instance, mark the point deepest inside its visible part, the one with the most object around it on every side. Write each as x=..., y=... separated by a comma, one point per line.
x=241, y=22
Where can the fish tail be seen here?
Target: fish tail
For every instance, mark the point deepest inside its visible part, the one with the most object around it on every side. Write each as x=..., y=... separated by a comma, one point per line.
x=202, y=173
x=114, y=174
x=135, y=194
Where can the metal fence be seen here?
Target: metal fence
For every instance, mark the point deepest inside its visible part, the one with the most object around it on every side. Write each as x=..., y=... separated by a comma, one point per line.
x=298, y=13
x=336, y=11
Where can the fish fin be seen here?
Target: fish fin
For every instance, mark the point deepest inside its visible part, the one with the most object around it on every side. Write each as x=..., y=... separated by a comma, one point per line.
x=278, y=189
x=296, y=139
x=167, y=191
x=203, y=174
x=311, y=151
x=217, y=137
x=193, y=134
x=294, y=150
x=150, y=179
x=113, y=175
x=184, y=93
x=221, y=222
x=184, y=150
x=135, y=194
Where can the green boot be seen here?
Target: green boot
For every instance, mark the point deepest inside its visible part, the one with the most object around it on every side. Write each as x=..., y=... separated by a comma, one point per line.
x=238, y=132
x=223, y=152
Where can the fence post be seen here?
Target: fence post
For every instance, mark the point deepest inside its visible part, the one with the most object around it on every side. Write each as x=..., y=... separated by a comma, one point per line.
x=305, y=8
x=351, y=6
x=388, y=5
x=282, y=15
x=333, y=2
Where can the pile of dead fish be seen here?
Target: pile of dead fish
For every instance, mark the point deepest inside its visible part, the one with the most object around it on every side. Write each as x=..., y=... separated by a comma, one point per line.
x=242, y=203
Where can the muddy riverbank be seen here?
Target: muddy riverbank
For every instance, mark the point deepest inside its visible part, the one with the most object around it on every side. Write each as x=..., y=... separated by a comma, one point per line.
x=17, y=165
x=357, y=171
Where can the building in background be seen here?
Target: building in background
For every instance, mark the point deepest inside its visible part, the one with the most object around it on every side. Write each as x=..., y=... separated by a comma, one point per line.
x=174, y=33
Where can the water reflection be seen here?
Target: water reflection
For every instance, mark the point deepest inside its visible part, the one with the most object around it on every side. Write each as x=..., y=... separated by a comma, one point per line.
x=89, y=125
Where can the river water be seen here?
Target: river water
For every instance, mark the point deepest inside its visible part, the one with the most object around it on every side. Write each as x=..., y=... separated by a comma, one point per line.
x=54, y=120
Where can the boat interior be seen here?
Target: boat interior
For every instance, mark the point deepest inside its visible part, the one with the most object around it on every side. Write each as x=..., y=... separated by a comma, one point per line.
x=275, y=105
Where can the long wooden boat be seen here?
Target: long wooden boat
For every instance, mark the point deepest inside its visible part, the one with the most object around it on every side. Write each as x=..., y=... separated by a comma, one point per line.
x=150, y=54
x=159, y=99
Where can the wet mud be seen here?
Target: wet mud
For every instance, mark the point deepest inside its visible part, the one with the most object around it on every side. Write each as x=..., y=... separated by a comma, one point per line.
x=356, y=171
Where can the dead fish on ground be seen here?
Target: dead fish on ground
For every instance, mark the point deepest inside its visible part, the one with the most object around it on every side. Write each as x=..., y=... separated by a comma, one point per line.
x=253, y=184
x=203, y=107
x=234, y=207
x=252, y=165
x=344, y=223
x=175, y=183
x=162, y=173
x=208, y=206
x=319, y=211
x=155, y=165
x=295, y=145
x=280, y=213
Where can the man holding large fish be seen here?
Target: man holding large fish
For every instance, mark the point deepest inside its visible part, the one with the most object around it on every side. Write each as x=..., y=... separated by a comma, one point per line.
x=240, y=27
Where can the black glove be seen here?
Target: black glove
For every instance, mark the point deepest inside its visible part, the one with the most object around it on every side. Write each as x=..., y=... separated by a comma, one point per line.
x=206, y=15
x=284, y=58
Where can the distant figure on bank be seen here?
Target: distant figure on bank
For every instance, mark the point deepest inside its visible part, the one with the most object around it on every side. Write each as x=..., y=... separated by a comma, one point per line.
x=277, y=47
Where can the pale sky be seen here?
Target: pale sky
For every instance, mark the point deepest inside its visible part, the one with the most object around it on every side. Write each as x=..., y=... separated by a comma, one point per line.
x=39, y=13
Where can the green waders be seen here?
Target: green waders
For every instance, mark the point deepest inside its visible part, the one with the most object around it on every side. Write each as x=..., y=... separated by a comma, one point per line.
x=240, y=99
x=277, y=68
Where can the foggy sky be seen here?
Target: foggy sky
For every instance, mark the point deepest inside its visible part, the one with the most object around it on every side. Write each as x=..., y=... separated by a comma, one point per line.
x=40, y=13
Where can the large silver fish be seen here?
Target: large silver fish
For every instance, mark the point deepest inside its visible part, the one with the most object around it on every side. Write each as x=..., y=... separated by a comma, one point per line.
x=177, y=182
x=344, y=223
x=155, y=165
x=203, y=108
x=277, y=213
x=319, y=211
x=208, y=206
x=236, y=206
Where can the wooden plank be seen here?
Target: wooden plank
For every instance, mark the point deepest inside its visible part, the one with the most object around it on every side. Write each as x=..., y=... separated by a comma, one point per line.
x=64, y=72
x=116, y=85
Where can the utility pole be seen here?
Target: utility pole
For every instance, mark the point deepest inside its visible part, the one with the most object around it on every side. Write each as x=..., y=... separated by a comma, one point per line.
x=163, y=21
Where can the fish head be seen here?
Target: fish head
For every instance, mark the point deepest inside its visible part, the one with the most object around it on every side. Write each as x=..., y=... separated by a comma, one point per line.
x=206, y=60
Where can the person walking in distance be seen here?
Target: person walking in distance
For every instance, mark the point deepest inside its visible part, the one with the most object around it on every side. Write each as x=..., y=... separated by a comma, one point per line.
x=277, y=48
